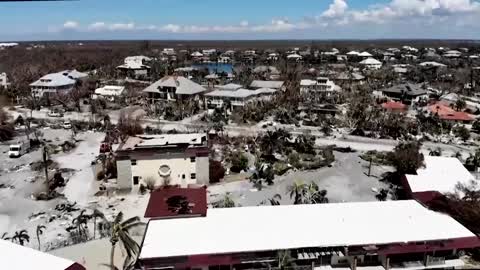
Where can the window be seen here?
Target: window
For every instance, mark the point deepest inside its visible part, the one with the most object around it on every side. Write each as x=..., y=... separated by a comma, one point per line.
x=183, y=176
x=193, y=176
x=134, y=162
x=136, y=179
x=192, y=159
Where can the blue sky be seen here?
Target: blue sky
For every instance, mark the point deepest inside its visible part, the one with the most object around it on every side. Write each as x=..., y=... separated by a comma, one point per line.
x=245, y=19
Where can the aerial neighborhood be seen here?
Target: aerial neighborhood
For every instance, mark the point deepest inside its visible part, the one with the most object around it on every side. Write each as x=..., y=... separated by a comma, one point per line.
x=240, y=155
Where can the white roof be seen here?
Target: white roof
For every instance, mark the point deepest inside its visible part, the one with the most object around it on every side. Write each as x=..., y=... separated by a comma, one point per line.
x=134, y=65
x=296, y=56
x=240, y=93
x=197, y=54
x=22, y=258
x=183, y=85
x=440, y=174
x=137, y=58
x=110, y=90
x=365, y=54
x=431, y=63
x=54, y=80
x=371, y=61
x=230, y=86
x=267, y=84
x=230, y=230
x=353, y=53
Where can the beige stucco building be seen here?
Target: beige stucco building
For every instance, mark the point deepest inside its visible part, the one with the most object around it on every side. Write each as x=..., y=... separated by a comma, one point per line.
x=173, y=159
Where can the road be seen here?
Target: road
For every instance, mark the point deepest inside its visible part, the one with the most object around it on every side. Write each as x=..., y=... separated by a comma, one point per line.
x=191, y=124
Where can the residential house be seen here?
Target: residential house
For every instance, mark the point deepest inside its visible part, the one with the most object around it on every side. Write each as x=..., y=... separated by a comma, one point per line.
x=321, y=85
x=294, y=57
x=446, y=113
x=273, y=56
x=59, y=83
x=348, y=77
x=172, y=88
x=4, y=80
x=438, y=177
x=110, y=91
x=394, y=106
x=473, y=103
x=387, y=235
x=452, y=54
x=371, y=63
x=267, y=72
x=196, y=55
x=431, y=64
x=170, y=159
x=237, y=98
x=365, y=55
x=168, y=51
x=277, y=85
x=406, y=93
x=17, y=257
x=135, y=66
x=209, y=52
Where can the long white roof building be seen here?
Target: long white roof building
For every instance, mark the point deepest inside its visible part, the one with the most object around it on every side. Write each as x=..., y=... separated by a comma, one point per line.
x=16, y=257
x=250, y=229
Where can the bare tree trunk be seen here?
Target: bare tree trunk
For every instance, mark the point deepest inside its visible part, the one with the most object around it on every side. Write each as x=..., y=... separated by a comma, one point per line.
x=112, y=257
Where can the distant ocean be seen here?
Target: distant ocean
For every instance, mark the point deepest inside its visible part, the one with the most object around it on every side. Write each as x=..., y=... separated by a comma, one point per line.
x=215, y=67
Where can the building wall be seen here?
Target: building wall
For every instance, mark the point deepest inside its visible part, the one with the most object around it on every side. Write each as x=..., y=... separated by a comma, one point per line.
x=181, y=170
x=203, y=170
x=124, y=174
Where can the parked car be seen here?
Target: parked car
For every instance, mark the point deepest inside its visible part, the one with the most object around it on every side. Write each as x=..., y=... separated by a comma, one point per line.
x=19, y=149
x=67, y=125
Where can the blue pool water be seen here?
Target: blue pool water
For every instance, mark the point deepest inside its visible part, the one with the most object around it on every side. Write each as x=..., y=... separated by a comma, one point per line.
x=215, y=67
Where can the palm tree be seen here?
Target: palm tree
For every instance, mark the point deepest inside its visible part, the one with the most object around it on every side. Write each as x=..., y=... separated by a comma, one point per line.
x=5, y=237
x=225, y=202
x=275, y=200
x=97, y=214
x=314, y=195
x=80, y=222
x=39, y=231
x=285, y=259
x=120, y=232
x=297, y=191
x=21, y=237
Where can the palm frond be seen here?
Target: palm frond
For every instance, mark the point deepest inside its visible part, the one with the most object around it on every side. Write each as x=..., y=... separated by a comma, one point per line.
x=109, y=266
x=118, y=219
x=134, y=225
x=130, y=220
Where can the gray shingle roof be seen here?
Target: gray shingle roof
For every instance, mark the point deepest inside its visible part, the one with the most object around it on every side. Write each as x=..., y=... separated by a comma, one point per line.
x=408, y=89
x=183, y=85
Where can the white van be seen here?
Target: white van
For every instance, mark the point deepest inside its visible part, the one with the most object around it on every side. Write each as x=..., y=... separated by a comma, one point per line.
x=18, y=149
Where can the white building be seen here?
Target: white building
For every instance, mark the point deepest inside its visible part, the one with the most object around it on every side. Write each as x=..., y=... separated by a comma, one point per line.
x=363, y=235
x=175, y=159
x=431, y=64
x=56, y=83
x=110, y=91
x=168, y=51
x=320, y=85
x=277, y=85
x=365, y=54
x=237, y=97
x=17, y=257
x=171, y=88
x=8, y=45
x=440, y=174
x=371, y=63
x=294, y=57
x=452, y=54
x=4, y=80
x=135, y=66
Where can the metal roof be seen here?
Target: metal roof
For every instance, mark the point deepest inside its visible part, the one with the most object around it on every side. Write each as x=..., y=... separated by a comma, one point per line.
x=182, y=85
x=262, y=228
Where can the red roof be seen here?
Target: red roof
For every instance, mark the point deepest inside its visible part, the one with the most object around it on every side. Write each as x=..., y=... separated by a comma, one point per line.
x=446, y=113
x=177, y=202
x=392, y=105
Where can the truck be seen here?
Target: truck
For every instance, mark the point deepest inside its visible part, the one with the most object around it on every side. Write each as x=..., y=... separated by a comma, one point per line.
x=18, y=149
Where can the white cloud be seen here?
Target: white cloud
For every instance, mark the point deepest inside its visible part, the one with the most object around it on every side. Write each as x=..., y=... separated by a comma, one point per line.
x=337, y=8
x=70, y=25
x=102, y=26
